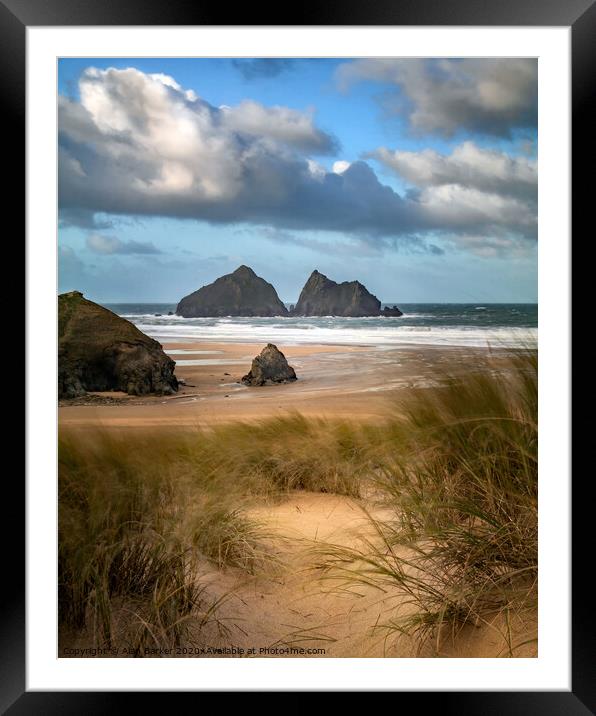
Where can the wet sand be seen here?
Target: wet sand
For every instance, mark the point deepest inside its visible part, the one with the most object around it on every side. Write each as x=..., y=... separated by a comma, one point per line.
x=334, y=381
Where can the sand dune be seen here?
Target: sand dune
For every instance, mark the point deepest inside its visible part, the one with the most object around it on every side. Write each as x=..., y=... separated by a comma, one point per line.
x=296, y=606
x=293, y=606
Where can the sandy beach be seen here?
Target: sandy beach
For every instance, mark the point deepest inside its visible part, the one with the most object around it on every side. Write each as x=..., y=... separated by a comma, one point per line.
x=334, y=381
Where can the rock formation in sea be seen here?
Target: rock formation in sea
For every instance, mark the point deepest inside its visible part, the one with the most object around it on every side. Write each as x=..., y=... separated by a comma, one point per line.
x=270, y=366
x=98, y=350
x=241, y=293
x=323, y=297
x=391, y=311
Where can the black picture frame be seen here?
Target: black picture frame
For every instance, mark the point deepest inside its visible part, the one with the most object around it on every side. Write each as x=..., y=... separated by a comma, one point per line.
x=580, y=15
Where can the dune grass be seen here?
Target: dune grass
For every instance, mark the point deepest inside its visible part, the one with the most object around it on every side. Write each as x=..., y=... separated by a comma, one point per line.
x=134, y=523
x=454, y=467
x=140, y=513
x=458, y=473
x=276, y=456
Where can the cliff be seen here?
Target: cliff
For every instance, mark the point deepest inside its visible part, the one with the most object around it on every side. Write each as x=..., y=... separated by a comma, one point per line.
x=98, y=350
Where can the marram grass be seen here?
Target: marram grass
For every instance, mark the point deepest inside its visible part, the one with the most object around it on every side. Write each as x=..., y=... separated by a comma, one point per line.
x=139, y=514
x=454, y=467
x=458, y=472
x=133, y=530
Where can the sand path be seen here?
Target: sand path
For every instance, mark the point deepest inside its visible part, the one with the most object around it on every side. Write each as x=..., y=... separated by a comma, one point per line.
x=293, y=606
x=296, y=607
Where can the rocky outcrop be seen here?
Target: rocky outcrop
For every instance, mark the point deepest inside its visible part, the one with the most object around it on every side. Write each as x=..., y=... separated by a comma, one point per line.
x=270, y=366
x=391, y=311
x=241, y=293
x=323, y=297
x=98, y=350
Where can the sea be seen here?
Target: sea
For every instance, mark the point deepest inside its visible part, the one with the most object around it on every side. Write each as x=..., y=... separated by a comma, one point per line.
x=431, y=324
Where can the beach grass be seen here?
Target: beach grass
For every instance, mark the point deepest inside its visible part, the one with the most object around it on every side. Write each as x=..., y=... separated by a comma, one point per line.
x=139, y=513
x=458, y=474
x=134, y=524
x=454, y=469
x=273, y=457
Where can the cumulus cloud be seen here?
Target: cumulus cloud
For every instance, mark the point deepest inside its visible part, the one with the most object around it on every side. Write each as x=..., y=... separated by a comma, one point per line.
x=468, y=165
x=252, y=69
x=138, y=144
x=492, y=96
x=280, y=124
x=100, y=244
x=487, y=193
x=452, y=205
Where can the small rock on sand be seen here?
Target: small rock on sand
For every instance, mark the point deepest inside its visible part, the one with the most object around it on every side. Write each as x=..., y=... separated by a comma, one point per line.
x=270, y=366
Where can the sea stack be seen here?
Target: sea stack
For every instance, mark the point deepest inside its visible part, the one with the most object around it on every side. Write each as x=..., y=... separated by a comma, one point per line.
x=241, y=293
x=323, y=297
x=98, y=350
x=270, y=366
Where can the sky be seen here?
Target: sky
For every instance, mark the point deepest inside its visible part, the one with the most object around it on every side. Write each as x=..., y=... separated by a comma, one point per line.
x=417, y=177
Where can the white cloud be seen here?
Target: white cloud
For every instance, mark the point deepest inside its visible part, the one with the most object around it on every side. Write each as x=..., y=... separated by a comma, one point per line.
x=492, y=96
x=468, y=165
x=139, y=144
x=472, y=188
x=171, y=82
x=316, y=170
x=452, y=205
x=152, y=138
x=280, y=124
x=340, y=166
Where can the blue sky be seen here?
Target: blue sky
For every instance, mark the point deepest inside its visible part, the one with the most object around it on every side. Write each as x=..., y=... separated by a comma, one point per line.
x=416, y=177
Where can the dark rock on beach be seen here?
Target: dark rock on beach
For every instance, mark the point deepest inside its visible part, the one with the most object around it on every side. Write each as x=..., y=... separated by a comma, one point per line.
x=323, y=297
x=270, y=366
x=100, y=351
x=241, y=293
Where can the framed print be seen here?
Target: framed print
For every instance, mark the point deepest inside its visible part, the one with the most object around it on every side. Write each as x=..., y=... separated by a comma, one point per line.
x=298, y=353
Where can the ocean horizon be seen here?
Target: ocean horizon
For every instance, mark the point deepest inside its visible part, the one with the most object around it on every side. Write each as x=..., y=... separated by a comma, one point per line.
x=430, y=324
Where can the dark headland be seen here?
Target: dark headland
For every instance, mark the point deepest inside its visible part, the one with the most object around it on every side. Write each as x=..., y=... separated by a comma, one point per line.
x=100, y=351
